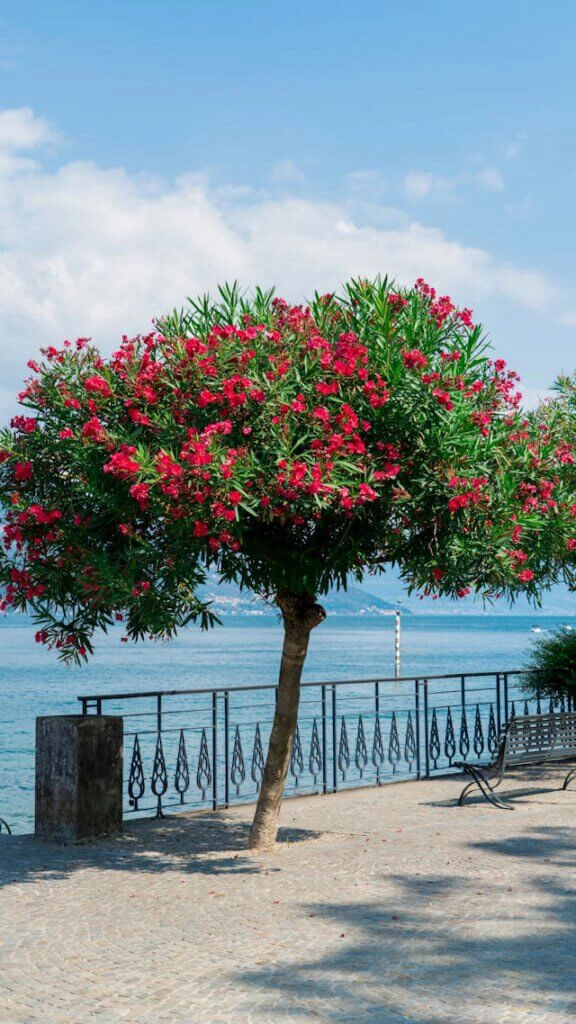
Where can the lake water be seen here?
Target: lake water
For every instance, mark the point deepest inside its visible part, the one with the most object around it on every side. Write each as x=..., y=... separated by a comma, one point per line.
x=244, y=651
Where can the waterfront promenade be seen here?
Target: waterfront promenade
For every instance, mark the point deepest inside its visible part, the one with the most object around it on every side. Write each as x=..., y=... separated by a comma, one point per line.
x=387, y=906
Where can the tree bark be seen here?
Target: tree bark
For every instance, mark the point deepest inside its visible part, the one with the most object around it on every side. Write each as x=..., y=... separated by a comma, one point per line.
x=300, y=614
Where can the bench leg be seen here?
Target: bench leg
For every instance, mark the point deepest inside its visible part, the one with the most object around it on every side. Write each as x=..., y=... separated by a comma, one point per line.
x=485, y=787
x=569, y=777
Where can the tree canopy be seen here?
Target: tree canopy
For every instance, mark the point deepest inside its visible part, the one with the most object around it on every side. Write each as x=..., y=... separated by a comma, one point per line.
x=288, y=447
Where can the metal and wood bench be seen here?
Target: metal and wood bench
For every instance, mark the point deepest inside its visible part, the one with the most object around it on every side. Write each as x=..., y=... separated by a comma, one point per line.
x=524, y=741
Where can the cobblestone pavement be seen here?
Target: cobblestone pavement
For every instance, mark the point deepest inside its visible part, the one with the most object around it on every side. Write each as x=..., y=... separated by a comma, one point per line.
x=380, y=906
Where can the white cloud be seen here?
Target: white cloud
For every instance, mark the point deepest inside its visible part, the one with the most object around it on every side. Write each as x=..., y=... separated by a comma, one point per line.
x=422, y=184
x=91, y=251
x=287, y=172
x=370, y=186
x=515, y=147
x=490, y=178
x=21, y=131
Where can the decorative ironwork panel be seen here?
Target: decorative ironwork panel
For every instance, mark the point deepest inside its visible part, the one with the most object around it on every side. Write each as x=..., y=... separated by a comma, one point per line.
x=449, y=738
x=361, y=754
x=159, y=783
x=343, y=749
x=377, y=747
x=238, y=769
x=136, y=780
x=182, y=773
x=315, y=760
x=464, y=741
x=492, y=732
x=204, y=771
x=257, y=767
x=410, y=742
x=478, y=732
x=434, y=743
x=394, y=754
x=296, y=757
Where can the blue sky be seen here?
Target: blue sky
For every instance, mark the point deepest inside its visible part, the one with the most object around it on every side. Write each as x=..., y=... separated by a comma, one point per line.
x=151, y=149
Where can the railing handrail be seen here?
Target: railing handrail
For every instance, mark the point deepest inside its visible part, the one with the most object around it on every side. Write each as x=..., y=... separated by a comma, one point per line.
x=421, y=678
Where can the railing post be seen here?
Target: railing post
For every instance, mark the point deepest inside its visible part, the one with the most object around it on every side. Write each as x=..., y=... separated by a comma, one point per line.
x=498, y=702
x=161, y=764
x=324, y=751
x=417, y=719
x=226, y=749
x=214, y=750
x=505, y=698
x=334, y=742
x=426, y=729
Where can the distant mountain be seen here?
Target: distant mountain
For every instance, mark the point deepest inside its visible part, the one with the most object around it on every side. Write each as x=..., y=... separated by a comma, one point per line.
x=228, y=599
x=557, y=601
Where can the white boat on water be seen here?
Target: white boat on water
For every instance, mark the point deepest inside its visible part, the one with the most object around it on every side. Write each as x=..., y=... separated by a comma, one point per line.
x=536, y=629
x=566, y=627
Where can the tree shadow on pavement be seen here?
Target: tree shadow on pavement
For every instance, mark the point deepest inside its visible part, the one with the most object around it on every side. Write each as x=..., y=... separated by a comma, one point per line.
x=445, y=948
x=211, y=843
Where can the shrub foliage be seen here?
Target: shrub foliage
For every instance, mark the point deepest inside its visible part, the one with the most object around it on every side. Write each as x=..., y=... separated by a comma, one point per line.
x=553, y=665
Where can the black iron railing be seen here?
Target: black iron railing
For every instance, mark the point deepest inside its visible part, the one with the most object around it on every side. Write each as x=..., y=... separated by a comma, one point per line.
x=189, y=748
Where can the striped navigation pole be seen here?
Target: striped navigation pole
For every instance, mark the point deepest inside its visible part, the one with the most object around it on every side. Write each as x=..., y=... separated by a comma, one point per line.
x=396, y=612
x=397, y=639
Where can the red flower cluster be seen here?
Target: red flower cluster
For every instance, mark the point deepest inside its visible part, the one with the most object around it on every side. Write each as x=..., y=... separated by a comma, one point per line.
x=122, y=464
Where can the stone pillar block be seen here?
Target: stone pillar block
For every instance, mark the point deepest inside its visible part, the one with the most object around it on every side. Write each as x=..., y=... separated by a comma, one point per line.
x=78, y=776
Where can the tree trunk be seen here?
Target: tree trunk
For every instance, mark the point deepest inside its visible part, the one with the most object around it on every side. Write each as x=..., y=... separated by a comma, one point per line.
x=301, y=614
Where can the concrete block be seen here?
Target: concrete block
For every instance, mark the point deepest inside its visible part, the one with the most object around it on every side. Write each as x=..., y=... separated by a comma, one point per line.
x=78, y=776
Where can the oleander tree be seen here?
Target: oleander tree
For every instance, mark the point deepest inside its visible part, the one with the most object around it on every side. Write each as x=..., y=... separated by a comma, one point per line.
x=289, y=449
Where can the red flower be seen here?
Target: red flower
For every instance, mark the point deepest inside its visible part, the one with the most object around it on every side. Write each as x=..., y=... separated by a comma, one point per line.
x=414, y=358
x=93, y=430
x=139, y=417
x=458, y=501
x=168, y=467
x=22, y=471
x=141, y=494
x=121, y=463
x=526, y=575
x=465, y=317
x=438, y=573
x=98, y=386
x=200, y=529
x=27, y=424
x=443, y=398
x=66, y=434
